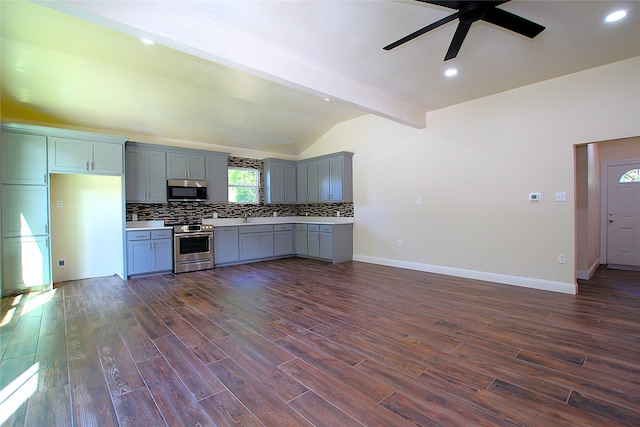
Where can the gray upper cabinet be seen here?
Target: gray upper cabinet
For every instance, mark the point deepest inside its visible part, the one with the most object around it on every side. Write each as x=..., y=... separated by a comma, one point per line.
x=326, y=179
x=280, y=181
x=217, y=177
x=146, y=175
x=81, y=156
x=185, y=166
x=307, y=175
x=24, y=158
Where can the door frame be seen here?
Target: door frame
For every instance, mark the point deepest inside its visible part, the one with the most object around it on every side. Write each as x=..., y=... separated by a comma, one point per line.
x=604, y=190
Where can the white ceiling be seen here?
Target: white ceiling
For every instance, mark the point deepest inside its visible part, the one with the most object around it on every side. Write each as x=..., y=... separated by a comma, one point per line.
x=254, y=74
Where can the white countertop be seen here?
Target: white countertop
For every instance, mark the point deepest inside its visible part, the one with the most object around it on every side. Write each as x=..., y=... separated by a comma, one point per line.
x=221, y=222
x=147, y=225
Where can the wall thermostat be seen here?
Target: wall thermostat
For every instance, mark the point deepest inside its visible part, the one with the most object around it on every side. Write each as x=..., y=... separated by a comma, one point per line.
x=534, y=197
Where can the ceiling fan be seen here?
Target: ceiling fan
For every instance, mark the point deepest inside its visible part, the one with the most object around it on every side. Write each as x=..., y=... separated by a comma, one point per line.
x=469, y=12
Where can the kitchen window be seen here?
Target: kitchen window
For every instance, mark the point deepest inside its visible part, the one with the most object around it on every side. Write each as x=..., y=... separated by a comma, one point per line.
x=244, y=184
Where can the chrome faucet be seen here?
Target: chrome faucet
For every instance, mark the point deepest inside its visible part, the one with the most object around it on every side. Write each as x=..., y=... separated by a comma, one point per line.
x=244, y=219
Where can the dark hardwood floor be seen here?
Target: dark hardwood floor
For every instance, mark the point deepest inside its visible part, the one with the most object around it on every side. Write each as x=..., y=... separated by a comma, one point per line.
x=297, y=342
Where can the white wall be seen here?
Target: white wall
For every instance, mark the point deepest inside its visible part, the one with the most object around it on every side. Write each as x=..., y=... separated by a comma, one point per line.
x=87, y=230
x=473, y=166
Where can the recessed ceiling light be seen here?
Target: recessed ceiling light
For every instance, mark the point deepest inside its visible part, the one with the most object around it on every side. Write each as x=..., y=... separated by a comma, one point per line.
x=146, y=40
x=615, y=16
x=450, y=72
x=327, y=99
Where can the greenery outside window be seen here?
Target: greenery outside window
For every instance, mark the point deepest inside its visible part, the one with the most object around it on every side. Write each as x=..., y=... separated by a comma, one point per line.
x=244, y=184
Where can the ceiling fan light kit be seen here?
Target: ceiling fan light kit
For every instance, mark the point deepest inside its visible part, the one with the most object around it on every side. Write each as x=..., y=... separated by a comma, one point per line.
x=468, y=12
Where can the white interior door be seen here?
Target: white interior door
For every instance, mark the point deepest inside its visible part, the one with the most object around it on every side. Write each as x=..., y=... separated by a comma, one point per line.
x=623, y=214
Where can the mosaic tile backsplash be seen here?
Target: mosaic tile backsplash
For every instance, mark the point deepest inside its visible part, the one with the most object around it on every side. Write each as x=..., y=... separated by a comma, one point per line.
x=192, y=212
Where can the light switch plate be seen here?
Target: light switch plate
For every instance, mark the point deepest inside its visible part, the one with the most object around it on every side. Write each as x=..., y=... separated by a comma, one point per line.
x=561, y=196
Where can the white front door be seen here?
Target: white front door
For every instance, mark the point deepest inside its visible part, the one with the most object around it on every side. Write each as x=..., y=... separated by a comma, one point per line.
x=623, y=214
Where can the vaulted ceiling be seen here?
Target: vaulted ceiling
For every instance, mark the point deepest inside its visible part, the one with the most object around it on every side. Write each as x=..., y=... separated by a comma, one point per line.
x=276, y=75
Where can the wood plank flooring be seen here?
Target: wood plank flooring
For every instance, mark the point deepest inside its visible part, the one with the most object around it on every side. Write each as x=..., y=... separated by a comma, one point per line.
x=297, y=342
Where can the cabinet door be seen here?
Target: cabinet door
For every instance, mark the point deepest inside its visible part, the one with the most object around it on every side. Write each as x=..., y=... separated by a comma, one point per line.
x=139, y=256
x=324, y=180
x=225, y=244
x=303, y=182
x=283, y=243
x=302, y=239
x=177, y=166
x=25, y=210
x=290, y=187
x=335, y=179
x=313, y=245
x=24, y=158
x=275, y=182
x=162, y=254
x=69, y=155
x=157, y=177
x=249, y=246
x=196, y=167
x=265, y=244
x=326, y=245
x=217, y=178
x=106, y=159
x=312, y=182
x=137, y=175
x=26, y=263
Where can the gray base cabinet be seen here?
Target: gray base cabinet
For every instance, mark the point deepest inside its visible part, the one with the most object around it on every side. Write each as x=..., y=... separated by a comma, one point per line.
x=249, y=243
x=149, y=252
x=225, y=245
x=327, y=242
x=283, y=239
x=255, y=242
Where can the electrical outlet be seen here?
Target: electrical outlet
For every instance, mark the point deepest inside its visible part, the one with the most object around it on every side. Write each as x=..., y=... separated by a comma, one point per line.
x=419, y=201
x=59, y=204
x=399, y=243
x=562, y=259
x=561, y=196
x=62, y=263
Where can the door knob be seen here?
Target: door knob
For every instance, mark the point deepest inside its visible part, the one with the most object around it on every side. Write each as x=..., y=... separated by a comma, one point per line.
x=610, y=220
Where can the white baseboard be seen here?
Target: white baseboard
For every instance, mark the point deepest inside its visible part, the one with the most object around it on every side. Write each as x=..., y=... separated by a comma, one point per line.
x=586, y=274
x=527, y=282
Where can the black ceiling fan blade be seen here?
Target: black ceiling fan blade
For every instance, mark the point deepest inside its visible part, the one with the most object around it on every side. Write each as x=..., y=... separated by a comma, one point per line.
x=422, y=31
x=512, y=22
x=458, y=38
x=455, y=5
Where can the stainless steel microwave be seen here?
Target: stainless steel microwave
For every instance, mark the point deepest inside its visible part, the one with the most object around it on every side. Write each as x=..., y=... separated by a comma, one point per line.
x=186, y=190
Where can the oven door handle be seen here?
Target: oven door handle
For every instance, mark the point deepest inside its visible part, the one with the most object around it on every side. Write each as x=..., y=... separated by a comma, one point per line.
x=193, y=235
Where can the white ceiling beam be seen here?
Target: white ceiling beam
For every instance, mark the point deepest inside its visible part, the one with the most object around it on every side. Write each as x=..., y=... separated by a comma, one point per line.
x=178, y=30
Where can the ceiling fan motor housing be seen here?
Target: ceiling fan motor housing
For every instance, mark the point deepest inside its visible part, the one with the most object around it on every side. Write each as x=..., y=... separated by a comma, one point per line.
x=472, y=12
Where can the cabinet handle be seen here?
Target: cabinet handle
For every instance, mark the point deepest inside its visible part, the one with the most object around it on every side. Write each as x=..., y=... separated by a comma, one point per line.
x=46, y=228
x=88, y=166
x=45, y=178
x=150, y=246
x=92, y=168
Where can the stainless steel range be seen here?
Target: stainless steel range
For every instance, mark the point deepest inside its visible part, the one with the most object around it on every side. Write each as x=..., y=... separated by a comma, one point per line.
x=193, y=247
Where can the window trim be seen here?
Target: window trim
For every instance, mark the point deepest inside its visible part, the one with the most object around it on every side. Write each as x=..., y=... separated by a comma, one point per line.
x=256, y=187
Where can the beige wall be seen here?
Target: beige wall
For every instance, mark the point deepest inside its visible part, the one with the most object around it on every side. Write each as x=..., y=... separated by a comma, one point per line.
x=473, y=167
x=87, y=230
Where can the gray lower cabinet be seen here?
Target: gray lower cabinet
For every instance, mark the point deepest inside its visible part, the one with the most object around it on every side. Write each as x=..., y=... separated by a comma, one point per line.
x=325, y=241
x=26, y=264
x=255, y=242
x=225, y=245
x=149, y=252
x=247, y=243
x=283, y=239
